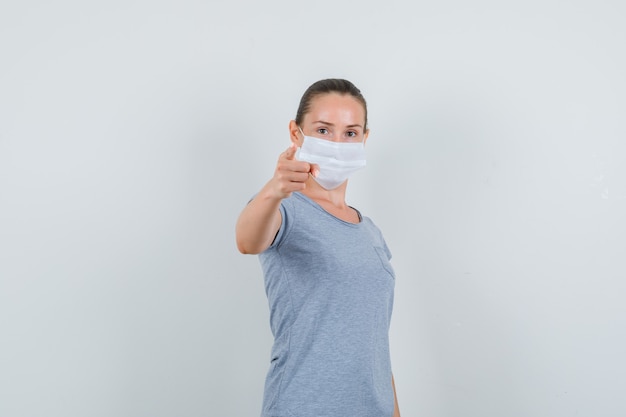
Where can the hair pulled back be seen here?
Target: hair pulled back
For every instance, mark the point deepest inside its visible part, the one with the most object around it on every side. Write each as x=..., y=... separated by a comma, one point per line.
x=330, y=85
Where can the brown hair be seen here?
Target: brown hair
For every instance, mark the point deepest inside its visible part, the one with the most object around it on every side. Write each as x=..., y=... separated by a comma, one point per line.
x=331, y=85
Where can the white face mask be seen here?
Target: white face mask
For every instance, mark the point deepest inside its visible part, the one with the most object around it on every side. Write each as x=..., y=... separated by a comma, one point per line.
x=337, y=160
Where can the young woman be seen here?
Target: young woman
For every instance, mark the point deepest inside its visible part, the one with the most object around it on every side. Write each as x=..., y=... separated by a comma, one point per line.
x=328, y=278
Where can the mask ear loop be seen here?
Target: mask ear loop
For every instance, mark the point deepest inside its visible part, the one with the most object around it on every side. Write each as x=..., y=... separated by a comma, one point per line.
x=298, y=151
x=303, y=135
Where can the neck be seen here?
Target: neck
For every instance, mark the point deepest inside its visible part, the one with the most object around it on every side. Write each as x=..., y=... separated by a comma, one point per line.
x=316, y=192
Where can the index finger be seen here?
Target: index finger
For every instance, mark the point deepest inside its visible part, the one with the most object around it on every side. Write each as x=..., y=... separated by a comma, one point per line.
x=290, y=153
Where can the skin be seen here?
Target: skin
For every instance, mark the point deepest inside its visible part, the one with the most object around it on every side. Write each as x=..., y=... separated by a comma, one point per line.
x=334, y=117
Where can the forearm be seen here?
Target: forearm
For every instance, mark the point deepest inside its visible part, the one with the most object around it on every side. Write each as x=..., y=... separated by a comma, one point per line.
x=396, y=409
x=260, y=220
x=258, y=223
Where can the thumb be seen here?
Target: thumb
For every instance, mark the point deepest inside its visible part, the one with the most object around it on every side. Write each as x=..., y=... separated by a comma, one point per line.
x=314, y=170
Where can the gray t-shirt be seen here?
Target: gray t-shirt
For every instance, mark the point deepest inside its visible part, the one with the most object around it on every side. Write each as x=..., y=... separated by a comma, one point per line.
x=330, y=287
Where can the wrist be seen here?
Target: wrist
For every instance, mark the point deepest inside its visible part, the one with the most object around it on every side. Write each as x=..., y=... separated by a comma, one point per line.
x=271, y=194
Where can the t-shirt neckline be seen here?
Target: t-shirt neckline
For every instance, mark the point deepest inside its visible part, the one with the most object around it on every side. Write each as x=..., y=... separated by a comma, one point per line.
x=319, y=207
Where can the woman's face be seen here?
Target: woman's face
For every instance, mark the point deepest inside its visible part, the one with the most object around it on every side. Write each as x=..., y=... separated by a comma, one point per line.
x=335, y=117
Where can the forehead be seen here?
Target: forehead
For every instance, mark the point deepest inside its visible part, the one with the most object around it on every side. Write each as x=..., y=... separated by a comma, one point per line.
x=336, y=108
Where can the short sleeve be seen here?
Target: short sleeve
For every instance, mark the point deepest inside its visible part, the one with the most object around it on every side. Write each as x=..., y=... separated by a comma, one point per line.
x=287, y=213
x=386, y=248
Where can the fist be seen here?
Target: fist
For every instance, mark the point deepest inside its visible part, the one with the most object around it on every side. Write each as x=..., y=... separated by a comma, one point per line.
x=291, y=174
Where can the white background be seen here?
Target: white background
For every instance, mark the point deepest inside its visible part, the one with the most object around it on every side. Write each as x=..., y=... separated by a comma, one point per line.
x=133, y=132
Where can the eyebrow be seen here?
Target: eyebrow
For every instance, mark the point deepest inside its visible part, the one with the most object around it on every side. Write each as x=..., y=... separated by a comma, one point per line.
x=331, y=124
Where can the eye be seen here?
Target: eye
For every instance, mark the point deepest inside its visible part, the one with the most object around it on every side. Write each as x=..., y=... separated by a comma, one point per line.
x=322, y=131
x=352, y=135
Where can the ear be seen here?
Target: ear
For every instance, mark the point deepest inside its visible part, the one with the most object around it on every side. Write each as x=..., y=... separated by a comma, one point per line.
x=365, y=135
x=294, y=133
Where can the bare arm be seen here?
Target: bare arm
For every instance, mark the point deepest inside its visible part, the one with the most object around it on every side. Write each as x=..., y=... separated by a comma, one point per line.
x=396, y=409
x=258, y=223
x=260, y=220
